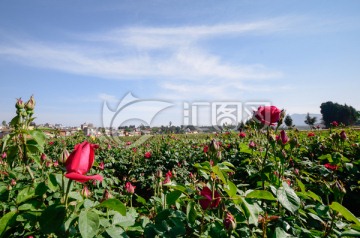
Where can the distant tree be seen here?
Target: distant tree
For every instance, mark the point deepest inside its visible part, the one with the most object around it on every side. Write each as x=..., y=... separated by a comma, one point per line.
x=4, y=123
x=288, y=121
x=310, y=120
x=344, y=114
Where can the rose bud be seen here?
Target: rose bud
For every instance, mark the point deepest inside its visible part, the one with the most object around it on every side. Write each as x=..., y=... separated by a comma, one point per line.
x=30, y=105
x=130, y=188
x=19, y=104
x=85, y=192
x=13, y=182
x=64, y=156
x=343, y=135
x=229, y=222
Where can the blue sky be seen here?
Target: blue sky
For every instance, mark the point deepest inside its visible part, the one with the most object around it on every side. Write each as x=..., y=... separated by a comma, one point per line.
x=74, y=55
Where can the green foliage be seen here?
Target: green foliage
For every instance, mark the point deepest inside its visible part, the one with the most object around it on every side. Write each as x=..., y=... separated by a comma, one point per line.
x=306, y=187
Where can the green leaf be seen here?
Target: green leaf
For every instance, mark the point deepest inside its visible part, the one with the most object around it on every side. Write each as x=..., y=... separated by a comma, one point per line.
x=34, y=148
x=115, y=232
x=345, y=212
x=14, y=121
x=38, y=136
x=279, y=232
x=301, y=185
x=172, y=197
x=288, y=198
x=140, y=199
x=250, y=211
x=25, y=194
x=216, y=169
x=351, y=233
x=52, y=219
x=52, y=183
x=40, y=189
x=124, y=221
x=115, y=205
x=6, y=221
x=313, y=196
x=326, y=157
x=261, y=194
x=191, y=212
x=231, y=190
x=88, y=224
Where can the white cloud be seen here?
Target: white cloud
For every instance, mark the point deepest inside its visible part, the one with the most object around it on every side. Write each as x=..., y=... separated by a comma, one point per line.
x=179, y=36
x=180, y=65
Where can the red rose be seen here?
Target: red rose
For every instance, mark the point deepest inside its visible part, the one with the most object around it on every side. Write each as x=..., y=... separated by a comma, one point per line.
x=242, y=134
x=311, y=134
x=147, y=154
x=80, y=162
x=331, y=166
x=207, y=201
x=168, y=174
x=206, y=149
x=268, y=115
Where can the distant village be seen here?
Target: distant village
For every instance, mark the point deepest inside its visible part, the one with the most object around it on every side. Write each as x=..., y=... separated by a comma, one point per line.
x=88, y=129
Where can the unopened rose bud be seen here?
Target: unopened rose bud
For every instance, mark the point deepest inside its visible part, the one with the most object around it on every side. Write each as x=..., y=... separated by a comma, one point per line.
x=13, y=182
x=56, y=164
x=107, y=195
x=30, y=105
x=214, y=145
x=229, y=222
x=48, y=164
x=252, y=145
x=85, y=192
x=130, y=188
x=101, y=165
x=43, y=157
x=343, y=135
x=4, y=155
x=296, y=171
x=64, y=156
x=19, y=104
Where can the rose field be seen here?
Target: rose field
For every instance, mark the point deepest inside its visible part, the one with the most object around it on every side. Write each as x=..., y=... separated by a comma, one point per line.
x=261, y=181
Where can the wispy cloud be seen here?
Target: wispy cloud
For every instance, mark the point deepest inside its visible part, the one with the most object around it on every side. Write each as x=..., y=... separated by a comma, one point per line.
x=128, y=53
x=179, y=36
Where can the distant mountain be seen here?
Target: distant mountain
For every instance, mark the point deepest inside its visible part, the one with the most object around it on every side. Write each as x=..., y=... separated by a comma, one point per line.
x=298, y=119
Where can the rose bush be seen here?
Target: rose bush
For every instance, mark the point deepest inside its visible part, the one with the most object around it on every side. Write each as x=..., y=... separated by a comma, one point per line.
x=206, y=185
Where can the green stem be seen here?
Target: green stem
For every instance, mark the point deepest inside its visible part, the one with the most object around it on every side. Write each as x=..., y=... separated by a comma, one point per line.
x=329, y=229
x=30, y=172
x=67, y=192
